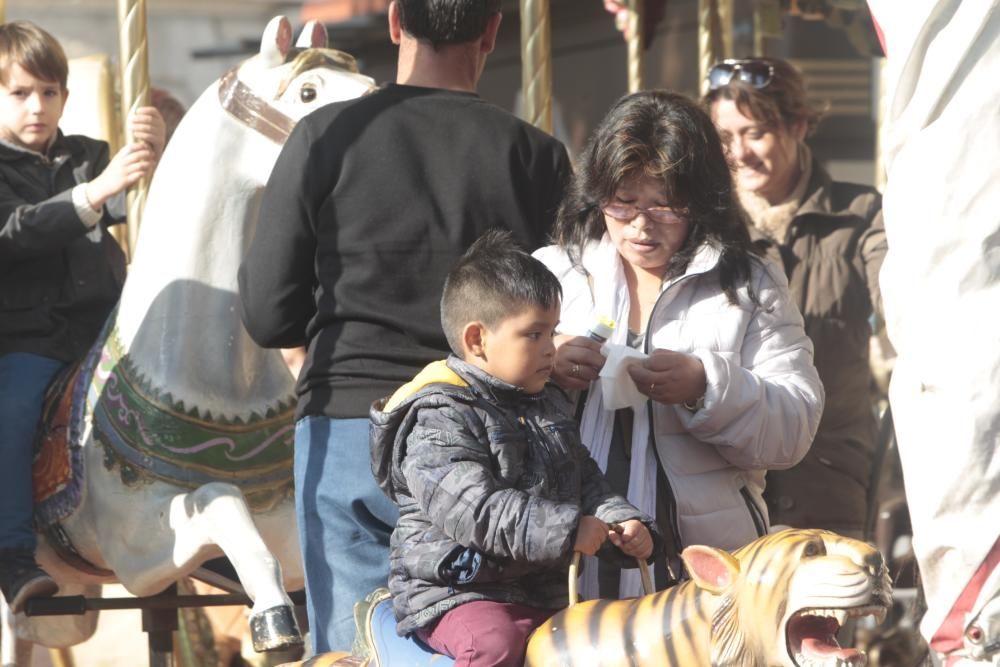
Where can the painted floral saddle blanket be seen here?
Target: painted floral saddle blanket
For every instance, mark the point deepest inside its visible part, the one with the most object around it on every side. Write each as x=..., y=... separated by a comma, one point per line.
x=146, y=435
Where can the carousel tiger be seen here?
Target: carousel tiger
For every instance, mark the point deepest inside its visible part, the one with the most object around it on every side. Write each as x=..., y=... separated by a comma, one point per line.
x=777, y=602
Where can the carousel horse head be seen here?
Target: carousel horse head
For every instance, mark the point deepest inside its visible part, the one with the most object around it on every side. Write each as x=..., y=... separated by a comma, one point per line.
x=777, y=602
x=179, y=314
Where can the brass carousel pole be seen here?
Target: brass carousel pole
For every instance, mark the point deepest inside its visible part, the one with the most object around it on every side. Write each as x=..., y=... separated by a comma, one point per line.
x=636, y=11
x=726, y=27
x=536, y=63
x=133, y=59
x=709, y=40
x=758, y=33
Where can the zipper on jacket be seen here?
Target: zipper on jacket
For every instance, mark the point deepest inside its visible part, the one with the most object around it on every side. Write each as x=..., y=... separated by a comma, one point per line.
x=760, y=526
x=674, y=569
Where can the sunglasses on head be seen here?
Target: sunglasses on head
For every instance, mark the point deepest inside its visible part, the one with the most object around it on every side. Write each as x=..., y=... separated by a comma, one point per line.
x=751, y=71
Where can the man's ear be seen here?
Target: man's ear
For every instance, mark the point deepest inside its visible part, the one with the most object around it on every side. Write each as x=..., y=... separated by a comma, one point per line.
x=488, y=41
x=395, y=25
x=474, y=340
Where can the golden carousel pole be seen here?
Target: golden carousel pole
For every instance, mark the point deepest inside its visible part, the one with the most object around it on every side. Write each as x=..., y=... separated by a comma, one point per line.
x=536, y=63
x=634, y=31
x=709, y=40
x=133, y=60
x=726, y=27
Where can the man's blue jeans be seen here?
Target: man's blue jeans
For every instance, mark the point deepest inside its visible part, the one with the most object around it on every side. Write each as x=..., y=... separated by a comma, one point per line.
x=23, y=381
x=344, y=523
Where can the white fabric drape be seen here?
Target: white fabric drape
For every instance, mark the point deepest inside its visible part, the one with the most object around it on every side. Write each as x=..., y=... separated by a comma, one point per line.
x=941, y=288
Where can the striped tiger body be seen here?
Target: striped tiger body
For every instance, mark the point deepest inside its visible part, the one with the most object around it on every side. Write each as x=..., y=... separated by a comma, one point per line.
x=778, y=601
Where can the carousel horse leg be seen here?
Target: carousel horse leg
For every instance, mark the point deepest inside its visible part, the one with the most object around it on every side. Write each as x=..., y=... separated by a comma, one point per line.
x=214, y=516
x=222, y=517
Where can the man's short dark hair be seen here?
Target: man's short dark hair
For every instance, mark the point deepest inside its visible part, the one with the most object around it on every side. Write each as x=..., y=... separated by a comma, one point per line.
x=494, y=280
x=446, y=21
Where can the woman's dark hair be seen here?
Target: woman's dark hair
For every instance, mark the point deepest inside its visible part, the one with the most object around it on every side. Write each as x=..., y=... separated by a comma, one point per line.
x=446, y=21
x=667, y=137
x=781, y=103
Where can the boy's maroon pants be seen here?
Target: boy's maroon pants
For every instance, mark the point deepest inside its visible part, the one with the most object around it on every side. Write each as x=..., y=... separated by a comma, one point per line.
x=485, y=633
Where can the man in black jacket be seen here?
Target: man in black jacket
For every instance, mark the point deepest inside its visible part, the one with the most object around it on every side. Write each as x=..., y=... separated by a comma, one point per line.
x=369, y=204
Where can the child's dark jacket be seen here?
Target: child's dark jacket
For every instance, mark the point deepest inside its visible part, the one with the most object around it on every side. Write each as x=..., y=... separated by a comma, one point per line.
x=59, y=279
x=491, y=483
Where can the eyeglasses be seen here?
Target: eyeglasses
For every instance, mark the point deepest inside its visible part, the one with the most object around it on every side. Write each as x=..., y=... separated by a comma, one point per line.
x=753, y=71
x=629, y=212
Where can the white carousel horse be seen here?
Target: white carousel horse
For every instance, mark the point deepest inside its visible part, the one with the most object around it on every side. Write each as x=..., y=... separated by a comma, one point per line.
x=182, y=425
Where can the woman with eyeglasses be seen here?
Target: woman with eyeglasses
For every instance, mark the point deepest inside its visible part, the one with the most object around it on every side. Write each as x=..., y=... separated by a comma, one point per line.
x=829, y=237
x=651, y=236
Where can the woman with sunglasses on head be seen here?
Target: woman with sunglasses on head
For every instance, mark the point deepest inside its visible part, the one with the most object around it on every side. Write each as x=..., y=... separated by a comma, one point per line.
x=651, y=235
x=830, y=239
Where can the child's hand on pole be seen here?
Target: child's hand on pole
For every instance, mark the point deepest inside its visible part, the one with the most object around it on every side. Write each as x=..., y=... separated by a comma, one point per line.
x=147, y=125
x=634, y=539
x=129, y=164
x=590, y=535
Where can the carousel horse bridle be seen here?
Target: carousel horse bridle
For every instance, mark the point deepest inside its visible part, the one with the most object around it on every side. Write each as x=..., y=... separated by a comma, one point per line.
x=240, y=102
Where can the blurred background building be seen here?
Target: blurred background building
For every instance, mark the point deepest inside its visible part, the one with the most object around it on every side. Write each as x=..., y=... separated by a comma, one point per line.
x=192, y=42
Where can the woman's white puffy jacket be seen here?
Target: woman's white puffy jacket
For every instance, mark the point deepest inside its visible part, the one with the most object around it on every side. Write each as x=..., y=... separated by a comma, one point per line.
x=763, y=401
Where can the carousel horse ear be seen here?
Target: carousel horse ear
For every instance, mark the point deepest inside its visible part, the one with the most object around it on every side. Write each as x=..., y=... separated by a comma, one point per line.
x=276, y=42
x=711, y=569
x=313, y=36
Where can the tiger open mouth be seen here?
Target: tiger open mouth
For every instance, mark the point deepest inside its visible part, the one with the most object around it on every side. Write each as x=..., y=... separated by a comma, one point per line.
x=812, y=636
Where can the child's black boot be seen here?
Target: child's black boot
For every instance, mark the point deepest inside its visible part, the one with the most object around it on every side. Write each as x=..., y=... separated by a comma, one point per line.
x=21, y=579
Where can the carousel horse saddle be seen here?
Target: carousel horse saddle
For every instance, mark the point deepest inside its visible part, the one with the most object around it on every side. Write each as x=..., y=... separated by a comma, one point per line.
x=57, y=466
x=385, y=648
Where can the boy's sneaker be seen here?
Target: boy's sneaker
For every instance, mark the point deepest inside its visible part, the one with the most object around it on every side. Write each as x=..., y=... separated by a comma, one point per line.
x=21, y=579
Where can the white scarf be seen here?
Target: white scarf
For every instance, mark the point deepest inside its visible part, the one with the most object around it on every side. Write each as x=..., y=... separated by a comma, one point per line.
x=610, y=297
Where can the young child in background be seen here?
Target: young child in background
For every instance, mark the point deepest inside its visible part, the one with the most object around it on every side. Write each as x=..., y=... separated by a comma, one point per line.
x=484, y=459
x=60, y=271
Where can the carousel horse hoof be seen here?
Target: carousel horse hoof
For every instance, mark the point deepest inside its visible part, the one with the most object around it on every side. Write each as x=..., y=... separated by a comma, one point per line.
x=274, y=629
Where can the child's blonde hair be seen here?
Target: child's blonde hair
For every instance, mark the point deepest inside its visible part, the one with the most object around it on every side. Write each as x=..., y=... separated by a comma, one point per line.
x=39, y=53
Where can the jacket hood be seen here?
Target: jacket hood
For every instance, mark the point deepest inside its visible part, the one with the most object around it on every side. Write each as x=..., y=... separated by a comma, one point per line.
x=436, y=372
x=440, y=383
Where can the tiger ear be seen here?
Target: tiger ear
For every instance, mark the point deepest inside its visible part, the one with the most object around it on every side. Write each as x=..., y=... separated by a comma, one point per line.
x=713, y=569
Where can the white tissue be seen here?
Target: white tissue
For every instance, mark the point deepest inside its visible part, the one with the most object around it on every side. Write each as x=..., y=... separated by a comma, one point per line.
x=617, y=388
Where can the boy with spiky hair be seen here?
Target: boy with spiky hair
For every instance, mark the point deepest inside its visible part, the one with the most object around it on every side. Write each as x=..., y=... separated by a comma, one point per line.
x=483, y=457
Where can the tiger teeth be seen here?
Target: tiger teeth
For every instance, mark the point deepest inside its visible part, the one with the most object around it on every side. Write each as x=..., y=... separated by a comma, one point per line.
x=841, y=615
